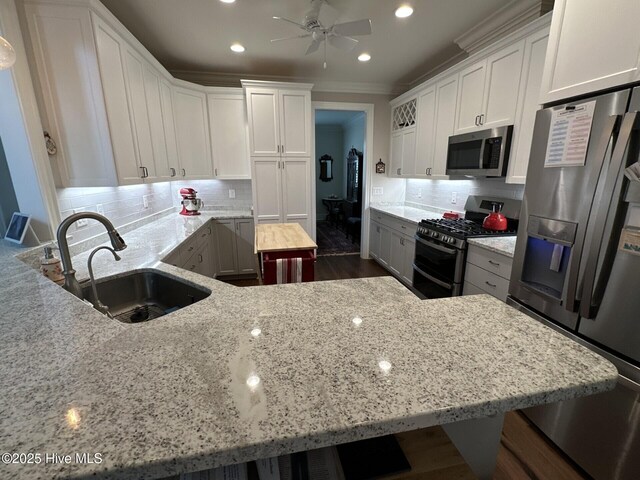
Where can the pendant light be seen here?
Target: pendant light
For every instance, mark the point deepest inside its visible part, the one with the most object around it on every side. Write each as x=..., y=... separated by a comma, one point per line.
x=7, y=54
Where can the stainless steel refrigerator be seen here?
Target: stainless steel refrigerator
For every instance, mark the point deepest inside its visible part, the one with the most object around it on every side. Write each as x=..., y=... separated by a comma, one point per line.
x=577, y=268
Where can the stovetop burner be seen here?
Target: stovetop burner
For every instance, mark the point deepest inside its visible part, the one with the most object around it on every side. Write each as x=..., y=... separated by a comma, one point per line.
x=462, y=228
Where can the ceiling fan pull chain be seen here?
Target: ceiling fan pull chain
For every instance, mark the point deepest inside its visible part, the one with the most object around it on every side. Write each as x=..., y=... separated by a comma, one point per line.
x=325, y=51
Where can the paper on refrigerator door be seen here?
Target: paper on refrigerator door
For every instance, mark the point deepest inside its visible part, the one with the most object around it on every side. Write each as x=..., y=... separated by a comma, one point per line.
x=569, y=135
x=630, y=240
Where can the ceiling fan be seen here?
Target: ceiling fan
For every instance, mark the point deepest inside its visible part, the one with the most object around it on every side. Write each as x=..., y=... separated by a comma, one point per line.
x=339, y=35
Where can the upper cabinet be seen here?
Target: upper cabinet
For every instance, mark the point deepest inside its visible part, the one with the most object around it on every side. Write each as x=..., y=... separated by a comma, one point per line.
x=497, y=86
x=592, y=46
x=279, y=121
x=488, y=91
x=229, y=139
x=119, y=118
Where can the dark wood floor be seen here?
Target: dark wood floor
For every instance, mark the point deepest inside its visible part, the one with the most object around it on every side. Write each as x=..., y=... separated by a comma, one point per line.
x=525, y=453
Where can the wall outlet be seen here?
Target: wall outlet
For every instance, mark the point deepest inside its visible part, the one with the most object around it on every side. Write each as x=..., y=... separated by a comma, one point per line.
x=145, y=201
x=100, y=209
x=83, y=222
x=232, y=193
x=419, y=194
x=377, y=190
x=454, y=198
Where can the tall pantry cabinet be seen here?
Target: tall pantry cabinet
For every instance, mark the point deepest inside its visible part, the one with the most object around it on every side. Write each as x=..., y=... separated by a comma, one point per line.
x=280, y=124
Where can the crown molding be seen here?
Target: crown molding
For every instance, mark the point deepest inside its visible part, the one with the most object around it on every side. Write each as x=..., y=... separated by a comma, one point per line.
x=235, y=80
x=507, y=19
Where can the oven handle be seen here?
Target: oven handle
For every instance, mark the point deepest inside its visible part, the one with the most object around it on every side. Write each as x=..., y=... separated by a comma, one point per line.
x=435, y=245
x=448, y=286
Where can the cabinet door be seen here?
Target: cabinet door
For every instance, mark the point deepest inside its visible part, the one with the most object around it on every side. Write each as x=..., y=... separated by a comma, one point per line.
x=228, y=128
x=396, y=154
x=534, y=55
x=504, y=69
x=385, y=245
x=206, y=266
x=225, y=247
x=446, y=94
x=470, y=97
x=396, y=254
x=425, y=132
x=110, y=49
x=245, y=235
x=408, y=166
x=267, y=189
x=138, y=106
x=295, y=123
x=374, y=239
x=296, y=191
x=264, y=128
x=409, y=254
x=168, y=123
x=593, y=45
x=161, y=168
x=192, y=133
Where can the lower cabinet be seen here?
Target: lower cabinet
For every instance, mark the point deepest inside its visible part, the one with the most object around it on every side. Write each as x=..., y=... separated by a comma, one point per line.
x=392, y=245
x=233, y=247
x=487, y=271
x=219, y=248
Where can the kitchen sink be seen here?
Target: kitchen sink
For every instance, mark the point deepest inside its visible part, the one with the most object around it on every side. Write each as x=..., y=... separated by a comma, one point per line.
x=144, y=295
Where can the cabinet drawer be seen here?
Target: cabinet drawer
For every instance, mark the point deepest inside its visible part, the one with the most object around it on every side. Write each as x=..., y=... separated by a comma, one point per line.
x=402, y=226
x=488, y=282
x=491, y=261
x=471, y=289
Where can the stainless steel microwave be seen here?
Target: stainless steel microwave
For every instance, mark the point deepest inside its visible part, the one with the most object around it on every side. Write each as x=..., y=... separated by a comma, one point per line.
x=480, y=154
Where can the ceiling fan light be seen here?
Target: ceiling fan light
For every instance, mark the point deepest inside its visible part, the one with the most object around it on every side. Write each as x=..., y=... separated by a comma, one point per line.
x=7, y=54
x=228, y=1
x=236, y=47
x=364, y=57
x=404, y=11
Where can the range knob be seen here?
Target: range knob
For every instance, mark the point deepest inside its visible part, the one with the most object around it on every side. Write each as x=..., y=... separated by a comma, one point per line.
x=435, y=234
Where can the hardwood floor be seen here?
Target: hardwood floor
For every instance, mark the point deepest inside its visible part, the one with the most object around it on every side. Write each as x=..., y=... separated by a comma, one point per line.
x=525, y=453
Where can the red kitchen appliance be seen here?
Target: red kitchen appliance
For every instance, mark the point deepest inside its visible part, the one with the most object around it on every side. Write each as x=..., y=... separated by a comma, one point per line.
x=451, y=215
x=190, y=202
x=495, y=220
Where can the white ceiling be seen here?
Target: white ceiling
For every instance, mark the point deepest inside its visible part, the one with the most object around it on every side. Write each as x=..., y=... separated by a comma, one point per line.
x=195, y=35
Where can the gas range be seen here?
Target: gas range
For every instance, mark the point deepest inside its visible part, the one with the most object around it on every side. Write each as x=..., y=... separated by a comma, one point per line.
x=456, y=232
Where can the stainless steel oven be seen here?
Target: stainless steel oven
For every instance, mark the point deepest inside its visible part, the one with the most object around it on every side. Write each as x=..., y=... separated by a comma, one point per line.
x=480, y=154
x=438, y=268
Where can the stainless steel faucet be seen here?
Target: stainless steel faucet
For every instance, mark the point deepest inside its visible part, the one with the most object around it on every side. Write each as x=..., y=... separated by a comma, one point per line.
x=98, y=305
x=70, y=282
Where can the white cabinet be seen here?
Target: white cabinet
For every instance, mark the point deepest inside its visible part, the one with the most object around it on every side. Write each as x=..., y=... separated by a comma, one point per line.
x=487, y=272
x=192, y=133
x=425, y=133
x=279, y=121
x=392, y=245
x=228, y=130
x=593, y=45
x=233, y=247
x=267, y=190
x=409, y=245
x=534, y=55
x=163, y=167
x=488, y=92
x=374, y=239
x=446, y=94
x=403, y=152
x=384, y=256
x=396, y=254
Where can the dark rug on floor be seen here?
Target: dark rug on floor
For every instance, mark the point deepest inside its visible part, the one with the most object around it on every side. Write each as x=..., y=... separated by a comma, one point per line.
x=332, y=241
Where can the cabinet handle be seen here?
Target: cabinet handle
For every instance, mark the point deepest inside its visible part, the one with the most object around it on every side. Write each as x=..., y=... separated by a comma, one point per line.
x=281, y=148
x=142, y=168
x=200, y=258
x=377, y=229
x=184, y=172
x=403, y=227
x=399, y=170
x=402, y=241
x=494, y=263
x=283, y=164
x=482, y=119
x=173, y=171
x=477, y=120
x=278, y=148
x=490, y=284
x=215, y=172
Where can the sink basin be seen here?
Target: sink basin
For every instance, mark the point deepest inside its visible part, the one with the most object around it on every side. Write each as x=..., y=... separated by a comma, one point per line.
x=144, y=295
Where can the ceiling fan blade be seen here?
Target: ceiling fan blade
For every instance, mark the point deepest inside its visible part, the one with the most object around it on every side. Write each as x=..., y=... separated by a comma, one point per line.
x=359, y=27
x=328, y=15
x=343, y=43
x=313, y=47
x=292, y=22
x=306, y=35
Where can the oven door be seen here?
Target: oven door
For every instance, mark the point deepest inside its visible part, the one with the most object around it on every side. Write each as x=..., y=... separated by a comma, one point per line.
x=438, y=269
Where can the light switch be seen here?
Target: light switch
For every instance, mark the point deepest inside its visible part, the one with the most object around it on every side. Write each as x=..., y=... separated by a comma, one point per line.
x=232, y=193
x=377, y=190
x=454, y=198
x=83, y=221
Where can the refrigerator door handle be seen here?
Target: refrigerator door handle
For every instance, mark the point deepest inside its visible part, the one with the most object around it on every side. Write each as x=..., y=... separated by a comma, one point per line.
x=605, y=234
x=570, y=301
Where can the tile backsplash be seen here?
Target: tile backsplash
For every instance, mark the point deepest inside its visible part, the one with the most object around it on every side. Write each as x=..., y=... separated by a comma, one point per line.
x=123, y=205
x=439, y=193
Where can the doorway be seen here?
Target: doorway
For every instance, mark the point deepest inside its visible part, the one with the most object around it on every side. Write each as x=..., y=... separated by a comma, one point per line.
x=340, y=196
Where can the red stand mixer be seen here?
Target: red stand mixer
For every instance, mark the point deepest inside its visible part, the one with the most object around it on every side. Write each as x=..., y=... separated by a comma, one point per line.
x=190, y=202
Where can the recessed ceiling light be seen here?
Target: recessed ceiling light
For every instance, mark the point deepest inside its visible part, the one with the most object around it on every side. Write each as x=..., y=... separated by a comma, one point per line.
x=227, y=1
x=364, y=57
x=404, y=11
x=236, y=47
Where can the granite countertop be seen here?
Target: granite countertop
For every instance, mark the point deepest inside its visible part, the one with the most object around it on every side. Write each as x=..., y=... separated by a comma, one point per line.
x=504, y=245
x=172, y=395
x=410, y=214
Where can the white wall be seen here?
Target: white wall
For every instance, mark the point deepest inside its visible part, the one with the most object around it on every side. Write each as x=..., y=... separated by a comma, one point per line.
x=438, y=193
x=329, y=141
x=354, y=133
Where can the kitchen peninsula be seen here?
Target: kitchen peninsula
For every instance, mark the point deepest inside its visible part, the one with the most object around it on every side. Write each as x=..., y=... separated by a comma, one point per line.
x=172, y=395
